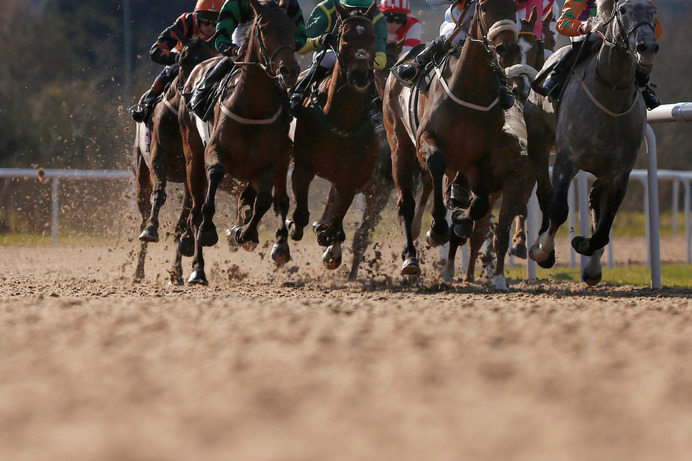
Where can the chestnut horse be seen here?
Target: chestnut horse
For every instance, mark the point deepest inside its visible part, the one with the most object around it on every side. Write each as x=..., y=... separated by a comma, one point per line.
x=515, y=177
x=459, y=121
x=249, y=140
x=163, y=160
x=334, y=136
x=598, y=127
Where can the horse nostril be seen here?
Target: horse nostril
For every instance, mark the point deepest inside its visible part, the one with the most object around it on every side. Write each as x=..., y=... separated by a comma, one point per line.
x=656, y=48
x=501, y=49
x=642, y=48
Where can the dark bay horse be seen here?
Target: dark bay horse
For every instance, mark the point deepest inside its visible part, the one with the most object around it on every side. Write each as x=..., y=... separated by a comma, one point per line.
x=334, y=136
x=458, y=122
x=249, y=140
x=598, y=127
x=163, y=160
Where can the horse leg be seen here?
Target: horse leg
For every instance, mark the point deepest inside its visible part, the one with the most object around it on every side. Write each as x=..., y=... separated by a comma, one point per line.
x=454, y=243
x=159, y=172
x=206, y=235
x=605, y=199
x=435, y=161
x=196, y=185
x=376, y=198
x=320, y=225
x=478, y=237
x=540, y=141
x=301, y=178
x=184, y=247
x=143, y=195
x=511, y=205
x=333, y=236
x=422, y=203
x=245, y=205
x=281, y=253
x=543, y=250
x=403, y=168
x=247, y=235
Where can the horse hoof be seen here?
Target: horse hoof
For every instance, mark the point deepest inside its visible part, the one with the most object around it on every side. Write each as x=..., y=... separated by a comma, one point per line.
x=519, y=251
x=281, y=253
x=464, y=229
x=186, y=245
x=410, y=267
x=294, y=230
x=548, y=262
x=198, y=278
x=331, y=258
x=207, y=238
x=500, y=283
x=582, y=245
x=592, y=280
x=176, y=280
x=434, y=239
x=149, y=235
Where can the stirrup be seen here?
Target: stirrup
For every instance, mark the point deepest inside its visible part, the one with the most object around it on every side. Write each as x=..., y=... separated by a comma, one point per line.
x=139, y=112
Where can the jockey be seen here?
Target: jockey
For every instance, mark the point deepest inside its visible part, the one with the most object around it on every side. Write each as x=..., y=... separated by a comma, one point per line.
x=230, y=34
x=401, y=26
x=321, y=23
x=453, y=30
x=576, y=22
x=166, y=50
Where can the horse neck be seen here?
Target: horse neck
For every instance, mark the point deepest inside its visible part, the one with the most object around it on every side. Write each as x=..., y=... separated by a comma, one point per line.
x=348, y=103
x=472, y=70
x=255, y=91
x=615, y=65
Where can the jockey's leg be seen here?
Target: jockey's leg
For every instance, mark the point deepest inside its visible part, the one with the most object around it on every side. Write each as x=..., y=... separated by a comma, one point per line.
x=408, y=71
x=322, y=64
x=198, y=102
x=506, y=95
x=642, y=78
x=141, y=111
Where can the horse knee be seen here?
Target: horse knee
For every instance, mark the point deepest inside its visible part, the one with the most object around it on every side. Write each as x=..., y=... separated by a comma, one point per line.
x=215, y=173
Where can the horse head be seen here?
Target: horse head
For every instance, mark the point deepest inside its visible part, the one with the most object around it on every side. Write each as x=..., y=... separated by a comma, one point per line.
x=194, y=52
x=495, y=21
x=356, y=50
x=631, y=27
x=272, y=42
x=527, y=58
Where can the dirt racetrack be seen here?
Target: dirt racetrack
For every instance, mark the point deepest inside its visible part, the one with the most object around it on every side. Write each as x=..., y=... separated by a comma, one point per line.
x=298, y=364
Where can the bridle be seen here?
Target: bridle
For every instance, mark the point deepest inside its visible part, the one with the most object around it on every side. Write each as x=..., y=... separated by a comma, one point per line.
x=266, y=63
x=339, y=35
x=623, y=35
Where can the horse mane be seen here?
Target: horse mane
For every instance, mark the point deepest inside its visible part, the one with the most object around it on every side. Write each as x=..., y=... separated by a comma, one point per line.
x=605, y=9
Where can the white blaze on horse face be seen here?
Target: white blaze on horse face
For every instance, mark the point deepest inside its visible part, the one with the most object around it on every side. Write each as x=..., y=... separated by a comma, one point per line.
x=525, y=47
x=362, y=54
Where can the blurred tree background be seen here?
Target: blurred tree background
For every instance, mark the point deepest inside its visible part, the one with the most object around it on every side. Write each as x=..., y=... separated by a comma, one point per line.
x=65, y=88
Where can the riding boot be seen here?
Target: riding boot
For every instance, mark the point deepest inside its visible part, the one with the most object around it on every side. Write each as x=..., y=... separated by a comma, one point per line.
x=409, y=70
x=642, y=78
x=315, y=74
x=555, y=80
x=199, y=103
x=141, y=111
x=506, y=95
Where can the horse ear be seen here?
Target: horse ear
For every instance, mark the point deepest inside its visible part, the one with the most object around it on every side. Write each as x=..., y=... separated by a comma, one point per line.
x=533, y=16
x=340, y=10
x=256, y=6
x=372, y=10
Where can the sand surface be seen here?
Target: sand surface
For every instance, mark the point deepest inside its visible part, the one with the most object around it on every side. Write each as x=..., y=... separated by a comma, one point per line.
x=299, y=364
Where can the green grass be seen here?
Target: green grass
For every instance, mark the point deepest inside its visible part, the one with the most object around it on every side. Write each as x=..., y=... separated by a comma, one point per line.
x=672, y=275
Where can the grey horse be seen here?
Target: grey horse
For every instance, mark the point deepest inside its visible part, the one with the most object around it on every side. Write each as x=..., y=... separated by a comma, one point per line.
x=598, y=126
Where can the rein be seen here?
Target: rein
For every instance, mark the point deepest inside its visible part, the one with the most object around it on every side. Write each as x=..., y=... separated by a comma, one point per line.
x=342, y=65
x=267, y=61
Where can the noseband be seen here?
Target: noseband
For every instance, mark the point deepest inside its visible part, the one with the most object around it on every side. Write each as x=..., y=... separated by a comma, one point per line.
x=339, y=35
x=623, y=34
x=266, y=63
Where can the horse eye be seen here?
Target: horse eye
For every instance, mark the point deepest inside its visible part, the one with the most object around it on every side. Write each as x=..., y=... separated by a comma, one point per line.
x=623, y=10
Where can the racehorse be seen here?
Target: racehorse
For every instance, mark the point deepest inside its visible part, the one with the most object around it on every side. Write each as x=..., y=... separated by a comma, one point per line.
x=249, y=140
x=163, y=160
x=597, y=127
x=334, y=135
x=458, y=121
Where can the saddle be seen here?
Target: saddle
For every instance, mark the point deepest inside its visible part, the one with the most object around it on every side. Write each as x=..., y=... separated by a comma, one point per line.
x=214, y=94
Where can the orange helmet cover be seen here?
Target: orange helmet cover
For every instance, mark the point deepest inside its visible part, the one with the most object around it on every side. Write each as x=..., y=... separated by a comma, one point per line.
x=209, y=5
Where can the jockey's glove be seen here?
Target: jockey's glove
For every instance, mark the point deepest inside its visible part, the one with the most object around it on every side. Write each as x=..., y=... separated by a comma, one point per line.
x=228, y=49
x=380, y=60
x=327, y=40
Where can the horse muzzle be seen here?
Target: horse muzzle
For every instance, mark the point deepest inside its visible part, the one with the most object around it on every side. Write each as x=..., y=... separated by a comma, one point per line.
x=360, y=79
x=646, y=52
x=288, y=75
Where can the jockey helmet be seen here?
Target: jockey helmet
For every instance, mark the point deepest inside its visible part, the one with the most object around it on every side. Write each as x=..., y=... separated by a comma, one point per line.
x=394, y=6
x=208, y=10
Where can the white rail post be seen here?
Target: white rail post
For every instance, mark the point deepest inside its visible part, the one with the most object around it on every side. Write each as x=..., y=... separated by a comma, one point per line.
x=688, y=232
x=654, y=234
x=675, y=207
x=583, y=190
x=55, y=210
